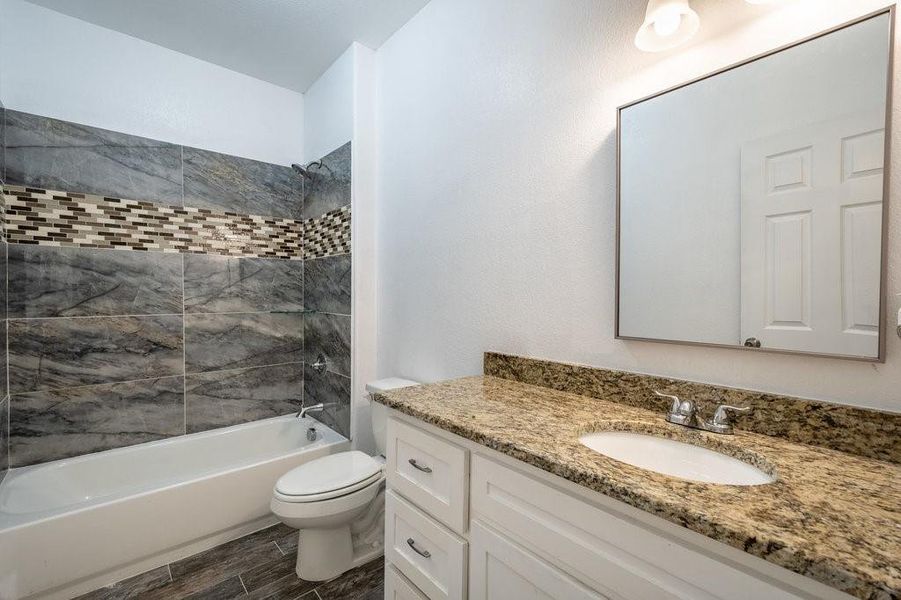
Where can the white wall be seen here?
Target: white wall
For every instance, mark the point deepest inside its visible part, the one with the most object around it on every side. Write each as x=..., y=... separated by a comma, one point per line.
x=363, y=239
x=57, y=66
x=497, y=185
x=681, y=185
x=329, y=108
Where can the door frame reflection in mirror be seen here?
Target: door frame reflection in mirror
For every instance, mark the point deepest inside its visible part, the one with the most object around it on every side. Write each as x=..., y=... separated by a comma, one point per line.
x=886, y=185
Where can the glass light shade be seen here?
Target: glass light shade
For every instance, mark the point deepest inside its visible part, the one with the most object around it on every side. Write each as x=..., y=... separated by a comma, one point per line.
x=667, y=24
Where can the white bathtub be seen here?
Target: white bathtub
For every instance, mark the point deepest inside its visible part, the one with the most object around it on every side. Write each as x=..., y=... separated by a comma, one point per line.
x=73, y=525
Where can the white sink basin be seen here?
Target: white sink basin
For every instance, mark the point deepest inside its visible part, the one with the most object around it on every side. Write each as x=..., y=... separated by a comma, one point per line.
x=673, y=458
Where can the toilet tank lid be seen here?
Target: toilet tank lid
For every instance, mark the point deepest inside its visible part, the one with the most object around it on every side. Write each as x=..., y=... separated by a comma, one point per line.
x=391, y=383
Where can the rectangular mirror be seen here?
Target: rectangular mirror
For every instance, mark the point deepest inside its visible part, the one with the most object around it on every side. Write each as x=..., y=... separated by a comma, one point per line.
x=751, y=203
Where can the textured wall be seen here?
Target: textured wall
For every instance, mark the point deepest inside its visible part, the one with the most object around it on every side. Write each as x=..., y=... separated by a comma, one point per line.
x=497, y=171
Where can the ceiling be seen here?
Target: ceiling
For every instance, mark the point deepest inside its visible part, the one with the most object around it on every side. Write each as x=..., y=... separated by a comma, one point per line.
x=286, y=42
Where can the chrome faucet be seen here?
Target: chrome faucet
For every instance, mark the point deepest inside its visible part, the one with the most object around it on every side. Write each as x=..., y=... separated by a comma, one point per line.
x=684, y=412
x=720, y=422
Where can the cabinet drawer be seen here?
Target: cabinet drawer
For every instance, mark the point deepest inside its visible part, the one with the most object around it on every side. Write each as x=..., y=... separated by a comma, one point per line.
x=397, y=587
x=617, y=556
x=429, y=555
x=500, y=569
x=431, y=472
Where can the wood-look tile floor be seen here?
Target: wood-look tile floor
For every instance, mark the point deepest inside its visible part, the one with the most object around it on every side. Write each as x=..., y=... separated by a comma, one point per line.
x=258, y=566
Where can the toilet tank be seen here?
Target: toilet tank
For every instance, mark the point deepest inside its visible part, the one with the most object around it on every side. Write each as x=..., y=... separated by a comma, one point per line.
x=378, y=412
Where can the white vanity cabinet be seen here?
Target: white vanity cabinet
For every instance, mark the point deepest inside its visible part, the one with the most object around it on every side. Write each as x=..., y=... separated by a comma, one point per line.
x=464, y=521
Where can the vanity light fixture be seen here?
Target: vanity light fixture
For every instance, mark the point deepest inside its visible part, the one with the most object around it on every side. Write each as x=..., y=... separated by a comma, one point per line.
x=667, y=24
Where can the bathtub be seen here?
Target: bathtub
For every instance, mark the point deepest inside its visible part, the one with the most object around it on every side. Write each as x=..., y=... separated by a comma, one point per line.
x=73, y=525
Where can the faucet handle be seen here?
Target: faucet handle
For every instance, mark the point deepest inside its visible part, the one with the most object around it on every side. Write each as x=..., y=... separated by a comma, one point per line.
x=677, y=404
x=720, y=422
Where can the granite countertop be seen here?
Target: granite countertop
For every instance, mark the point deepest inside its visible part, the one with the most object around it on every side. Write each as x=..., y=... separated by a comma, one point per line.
x=831, y=516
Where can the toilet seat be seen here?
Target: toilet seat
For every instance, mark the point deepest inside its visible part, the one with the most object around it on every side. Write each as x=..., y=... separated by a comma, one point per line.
x=329, y=477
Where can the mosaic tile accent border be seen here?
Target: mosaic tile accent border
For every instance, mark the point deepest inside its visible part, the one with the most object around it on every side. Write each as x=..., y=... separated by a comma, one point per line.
x=327, y=235
x=59, y=218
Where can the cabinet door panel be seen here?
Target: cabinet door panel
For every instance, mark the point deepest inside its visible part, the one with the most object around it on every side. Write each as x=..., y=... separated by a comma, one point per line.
x=502, y=570
x=598, y=547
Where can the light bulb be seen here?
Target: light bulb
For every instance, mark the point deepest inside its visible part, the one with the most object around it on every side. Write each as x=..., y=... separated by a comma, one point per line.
x=667, y=23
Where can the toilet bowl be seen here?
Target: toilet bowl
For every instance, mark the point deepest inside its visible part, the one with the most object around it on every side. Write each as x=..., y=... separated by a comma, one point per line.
x=337, y=503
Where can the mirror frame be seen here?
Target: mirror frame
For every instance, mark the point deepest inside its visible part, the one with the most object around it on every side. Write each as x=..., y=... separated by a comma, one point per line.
x=886, y=187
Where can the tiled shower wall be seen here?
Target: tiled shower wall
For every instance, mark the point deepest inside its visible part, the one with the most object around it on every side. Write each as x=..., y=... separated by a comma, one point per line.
x=4, y=390
x=327, y=290
x=156, y=290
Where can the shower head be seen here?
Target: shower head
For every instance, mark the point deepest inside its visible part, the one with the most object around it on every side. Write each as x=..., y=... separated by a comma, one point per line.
x=305, y=169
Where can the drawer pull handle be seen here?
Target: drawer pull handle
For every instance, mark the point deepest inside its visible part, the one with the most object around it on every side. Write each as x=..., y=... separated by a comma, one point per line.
x=423, y=553
x=416, y=465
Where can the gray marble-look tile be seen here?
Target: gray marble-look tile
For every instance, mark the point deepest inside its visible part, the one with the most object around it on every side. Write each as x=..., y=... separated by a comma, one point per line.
x=328, y=335
x=60, y=423
x=53, y=154
x=4, y=257
x=234, y=341
x=71, y=282
x=4, y=387
x=327, y=284
x=329, y=388
x=229, y=183
x=329, y=186
x=2, y=144
x=132, y=587
x=4, y=437
x=215, y=284
x=223, y=398
x=4, y=361
x=74, y=351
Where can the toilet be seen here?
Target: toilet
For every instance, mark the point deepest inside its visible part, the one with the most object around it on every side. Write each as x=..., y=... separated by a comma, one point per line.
x=337, y=502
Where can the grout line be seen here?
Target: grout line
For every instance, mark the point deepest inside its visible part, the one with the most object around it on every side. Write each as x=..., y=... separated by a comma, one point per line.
x=184, y=339
x=241, y=579
x=316, y=591
x=281, y=364
x=9, y=402
x=330, y=372
x=91, y=385
x=190, y=314
x=181, y=148
x=95, y=317
x=280, y=549
x=169, y=568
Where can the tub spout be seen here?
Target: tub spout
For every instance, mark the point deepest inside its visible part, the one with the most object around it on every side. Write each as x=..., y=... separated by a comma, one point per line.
x=315, y=408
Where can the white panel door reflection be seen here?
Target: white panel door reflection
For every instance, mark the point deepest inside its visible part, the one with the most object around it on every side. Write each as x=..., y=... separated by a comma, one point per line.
x=811, y=230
